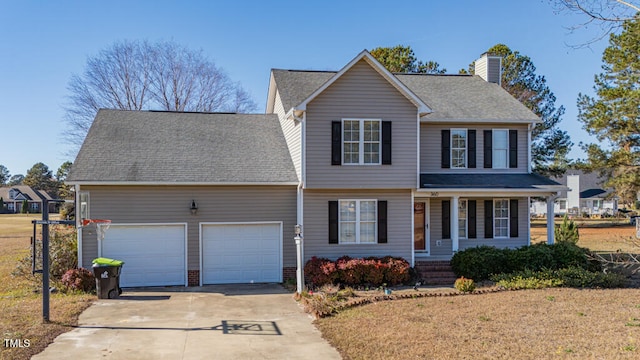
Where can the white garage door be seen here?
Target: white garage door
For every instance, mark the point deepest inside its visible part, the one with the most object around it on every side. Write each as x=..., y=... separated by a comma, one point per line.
x=241, y=253
x=153, y=255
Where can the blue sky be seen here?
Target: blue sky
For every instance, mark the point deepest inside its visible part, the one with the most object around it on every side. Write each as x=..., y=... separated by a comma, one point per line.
x=42, y=43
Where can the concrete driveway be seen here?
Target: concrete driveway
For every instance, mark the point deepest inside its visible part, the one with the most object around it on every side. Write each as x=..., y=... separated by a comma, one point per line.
x=258, y=321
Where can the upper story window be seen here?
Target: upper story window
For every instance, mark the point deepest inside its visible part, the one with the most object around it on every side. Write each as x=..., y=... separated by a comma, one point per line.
x=458, y=148
x=500, y=149
x=361, y=141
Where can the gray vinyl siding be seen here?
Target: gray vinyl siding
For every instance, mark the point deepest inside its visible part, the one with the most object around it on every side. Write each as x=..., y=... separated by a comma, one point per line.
x=292, y=133
x=431, y=147
x=361, y=93
x=316, y=224
x=165, y=204
x=445, y=248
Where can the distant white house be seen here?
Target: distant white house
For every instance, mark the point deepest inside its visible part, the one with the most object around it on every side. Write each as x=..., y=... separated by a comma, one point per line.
x=584, y=197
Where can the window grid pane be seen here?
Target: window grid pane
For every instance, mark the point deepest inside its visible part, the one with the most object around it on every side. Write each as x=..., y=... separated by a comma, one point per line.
x=371, y=142
x=357, y=222
x=500, y=149
x=458, y=149
x=462, y=219
x=501, y=218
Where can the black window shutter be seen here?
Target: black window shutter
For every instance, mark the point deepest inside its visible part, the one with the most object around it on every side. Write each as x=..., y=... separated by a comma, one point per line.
x=333, y=222
x=471, y=221
x=488, y=149
x=488, y=219
x=513, y=218
x=513, y=148
x=446, y=149
x=382, y=222
x=446, y=219
x=471, y=144
x=336, y=143
x=386, y=143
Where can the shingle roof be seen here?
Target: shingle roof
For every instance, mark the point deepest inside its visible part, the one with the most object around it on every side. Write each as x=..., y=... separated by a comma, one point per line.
x=451, y=97
x=484, y=181
x=296, y=85
x=180, y=147
x=591, y=185
x=28, y=191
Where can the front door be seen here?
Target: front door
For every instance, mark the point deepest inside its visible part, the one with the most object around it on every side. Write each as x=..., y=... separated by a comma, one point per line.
x=421, y=227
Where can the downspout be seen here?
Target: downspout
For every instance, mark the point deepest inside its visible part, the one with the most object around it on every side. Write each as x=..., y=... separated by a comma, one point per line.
x=530, y=128
x=78, y=227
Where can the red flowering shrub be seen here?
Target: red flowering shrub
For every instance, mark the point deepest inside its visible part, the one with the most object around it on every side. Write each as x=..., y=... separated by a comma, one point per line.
x=79, y=279
x=398, y=271
x=345, y=270
x=320, y=271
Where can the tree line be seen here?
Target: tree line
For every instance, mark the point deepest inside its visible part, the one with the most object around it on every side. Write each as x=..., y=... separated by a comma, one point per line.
x=40, y=177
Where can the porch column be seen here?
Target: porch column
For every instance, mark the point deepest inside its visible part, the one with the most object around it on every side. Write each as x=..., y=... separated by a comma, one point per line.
x=550, y=219
x=454, y=223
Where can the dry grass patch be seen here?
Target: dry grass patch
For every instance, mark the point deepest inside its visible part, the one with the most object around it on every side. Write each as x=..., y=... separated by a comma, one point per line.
x=20, y=300
x=531, y=324
x=601, y=239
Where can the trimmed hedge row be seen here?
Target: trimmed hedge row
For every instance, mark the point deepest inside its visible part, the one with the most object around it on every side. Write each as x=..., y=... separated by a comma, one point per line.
x=371, y=271
x=481, y=262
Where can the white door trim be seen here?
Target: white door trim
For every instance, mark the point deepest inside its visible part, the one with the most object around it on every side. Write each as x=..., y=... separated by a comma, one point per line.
x=200, y=226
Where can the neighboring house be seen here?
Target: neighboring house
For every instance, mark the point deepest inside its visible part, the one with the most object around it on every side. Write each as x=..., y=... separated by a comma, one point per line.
x=584, y=196
x=369, y=163
x=14, y=196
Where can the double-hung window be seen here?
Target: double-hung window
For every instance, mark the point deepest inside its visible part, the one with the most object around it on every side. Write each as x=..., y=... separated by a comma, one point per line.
x=357, y=221
x=458, y=148
x=462, y=219
x=84, y=204
x=500, y=149
x=361, y=141
x=501, y=218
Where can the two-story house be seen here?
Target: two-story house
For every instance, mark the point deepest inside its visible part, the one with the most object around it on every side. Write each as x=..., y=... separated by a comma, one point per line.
x=369, y=163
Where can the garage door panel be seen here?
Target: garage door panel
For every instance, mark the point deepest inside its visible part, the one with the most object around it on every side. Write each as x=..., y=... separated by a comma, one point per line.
x=154, y=255
x=241, y=253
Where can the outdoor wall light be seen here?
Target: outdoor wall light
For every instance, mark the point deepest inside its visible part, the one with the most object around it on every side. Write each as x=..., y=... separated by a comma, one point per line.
x=297, y=229
x=193, y=207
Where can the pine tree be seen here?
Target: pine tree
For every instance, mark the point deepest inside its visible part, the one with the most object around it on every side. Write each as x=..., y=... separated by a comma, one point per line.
x=613, y=115
x=567, y=231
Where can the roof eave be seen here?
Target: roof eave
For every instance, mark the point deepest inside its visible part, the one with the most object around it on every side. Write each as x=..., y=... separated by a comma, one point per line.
x=181, y=183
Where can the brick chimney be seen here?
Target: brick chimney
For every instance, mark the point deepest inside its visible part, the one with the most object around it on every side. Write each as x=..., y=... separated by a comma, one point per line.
x=489, y=67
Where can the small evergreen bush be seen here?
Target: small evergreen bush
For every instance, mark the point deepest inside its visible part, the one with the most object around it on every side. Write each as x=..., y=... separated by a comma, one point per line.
x=567, y=231
x=464, y=285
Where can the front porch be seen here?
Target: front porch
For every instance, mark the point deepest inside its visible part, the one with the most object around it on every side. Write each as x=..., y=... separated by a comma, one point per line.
x=453, y=212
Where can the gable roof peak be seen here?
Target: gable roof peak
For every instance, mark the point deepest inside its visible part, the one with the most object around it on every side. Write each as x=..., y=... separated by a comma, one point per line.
x=423, y=108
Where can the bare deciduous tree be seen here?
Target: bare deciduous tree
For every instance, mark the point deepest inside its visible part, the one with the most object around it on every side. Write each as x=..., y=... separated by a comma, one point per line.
x=138, y=75
x=608, y=15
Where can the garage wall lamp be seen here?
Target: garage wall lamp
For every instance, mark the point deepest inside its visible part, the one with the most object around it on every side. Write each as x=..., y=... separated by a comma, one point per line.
x=193, y=207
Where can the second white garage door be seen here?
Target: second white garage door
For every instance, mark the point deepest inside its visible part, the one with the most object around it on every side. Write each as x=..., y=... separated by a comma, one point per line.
x=241, y=253
x=153, y=255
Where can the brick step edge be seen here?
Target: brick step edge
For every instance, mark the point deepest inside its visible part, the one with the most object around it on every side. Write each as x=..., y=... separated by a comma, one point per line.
x=438, y=281
x=441, y=274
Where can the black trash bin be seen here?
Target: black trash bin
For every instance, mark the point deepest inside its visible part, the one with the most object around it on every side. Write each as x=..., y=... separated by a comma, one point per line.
x=107, y=273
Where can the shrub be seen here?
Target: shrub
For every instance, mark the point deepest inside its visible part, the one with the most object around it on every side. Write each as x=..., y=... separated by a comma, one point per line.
x=464, y=285
x=568, y=277
x=397, y=271
x=348, y=271
x=482, y=262
x=567, y=231
x=79, y=280
x=479, y=262
x=320, y=271
x=63, y=254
